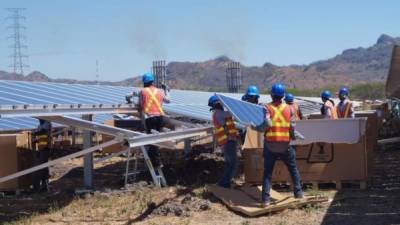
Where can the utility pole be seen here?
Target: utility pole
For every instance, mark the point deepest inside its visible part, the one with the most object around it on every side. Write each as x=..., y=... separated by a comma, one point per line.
x=18, y=38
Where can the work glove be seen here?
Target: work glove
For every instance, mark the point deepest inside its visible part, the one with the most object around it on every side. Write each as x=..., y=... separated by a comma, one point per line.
x=165, y=87
x=253, y=126
x=135, y=94
x=298, y=135
x=128, y=99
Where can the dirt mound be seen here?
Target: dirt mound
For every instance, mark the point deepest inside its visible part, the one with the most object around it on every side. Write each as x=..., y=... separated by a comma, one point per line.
x=183, y=208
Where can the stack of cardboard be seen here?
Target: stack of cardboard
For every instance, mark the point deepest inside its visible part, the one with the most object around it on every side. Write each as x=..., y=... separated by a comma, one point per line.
x=16, y=155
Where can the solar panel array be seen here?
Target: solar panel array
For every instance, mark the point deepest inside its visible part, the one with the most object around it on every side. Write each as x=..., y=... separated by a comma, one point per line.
x=191, y=104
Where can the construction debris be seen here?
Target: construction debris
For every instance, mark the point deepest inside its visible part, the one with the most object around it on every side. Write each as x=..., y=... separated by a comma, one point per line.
x=246, y=200
x=184, y=207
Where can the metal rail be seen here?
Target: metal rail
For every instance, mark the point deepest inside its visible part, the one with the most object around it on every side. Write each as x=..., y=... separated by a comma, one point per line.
x=131, y=136
x=9, y=111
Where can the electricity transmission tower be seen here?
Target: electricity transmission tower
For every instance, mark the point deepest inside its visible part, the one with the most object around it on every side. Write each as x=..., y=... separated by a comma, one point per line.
x=18, y=38
x=97, y=71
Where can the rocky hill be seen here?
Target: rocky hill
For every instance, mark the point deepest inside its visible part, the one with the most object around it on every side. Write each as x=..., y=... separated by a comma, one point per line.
x=352, y=66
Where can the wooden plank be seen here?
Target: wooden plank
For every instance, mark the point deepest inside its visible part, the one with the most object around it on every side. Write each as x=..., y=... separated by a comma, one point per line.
x=394, y=140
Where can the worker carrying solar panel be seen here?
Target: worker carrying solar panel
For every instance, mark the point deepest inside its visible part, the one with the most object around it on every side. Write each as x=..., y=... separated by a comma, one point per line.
x=41, y=143
x=294, y=107
x=252, y=95
x=226, y=135
x=150, y=106
x=279, y=129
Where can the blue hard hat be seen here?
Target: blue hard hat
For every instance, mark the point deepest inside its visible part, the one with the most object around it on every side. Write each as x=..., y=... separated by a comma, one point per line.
x=343, y=91
x=289, y=97
x=278, y=90
x=147, y=78
x=212, y=100
x=252, y=91
x=326, y=94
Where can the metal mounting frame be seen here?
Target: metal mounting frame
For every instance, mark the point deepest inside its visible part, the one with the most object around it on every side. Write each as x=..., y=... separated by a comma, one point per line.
x=9, y=111
x=134, y=139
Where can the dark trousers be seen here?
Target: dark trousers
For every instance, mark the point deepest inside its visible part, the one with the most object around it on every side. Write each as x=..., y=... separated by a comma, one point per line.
x=154, y=123
x=289, y=158
x=230, y=158
x=40, y=177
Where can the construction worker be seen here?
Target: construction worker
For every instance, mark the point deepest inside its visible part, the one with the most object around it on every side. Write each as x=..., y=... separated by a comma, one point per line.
x=278, y=126
x=226, y=136
x=345, y=107
x=289, y=99
x=41, y=143
x=328, y=109
x=151, y=108
x=252, y=95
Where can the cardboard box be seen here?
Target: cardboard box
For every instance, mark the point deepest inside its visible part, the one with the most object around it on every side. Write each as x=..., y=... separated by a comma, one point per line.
x=112, y=148
x=125, y=124
x=317, y=161
x=372, y=132
x=15, y=156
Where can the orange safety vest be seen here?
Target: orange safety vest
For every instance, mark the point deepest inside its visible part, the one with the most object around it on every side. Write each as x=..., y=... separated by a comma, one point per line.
x=295, y=110
x=152, y=101
x=220, y=133
x=329, y=105
x=42, y=141
x=346, y=112
x=280, y=118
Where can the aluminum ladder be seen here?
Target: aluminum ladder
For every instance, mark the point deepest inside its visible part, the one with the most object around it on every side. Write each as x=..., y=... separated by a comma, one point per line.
x=157, y=175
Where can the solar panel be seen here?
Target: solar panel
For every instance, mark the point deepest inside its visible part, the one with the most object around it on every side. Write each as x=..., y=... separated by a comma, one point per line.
x=246, y=113
x=186, y=103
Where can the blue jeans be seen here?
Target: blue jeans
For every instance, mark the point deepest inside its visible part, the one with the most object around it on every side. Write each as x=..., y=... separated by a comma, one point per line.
x=229, y=165
x=289, y=158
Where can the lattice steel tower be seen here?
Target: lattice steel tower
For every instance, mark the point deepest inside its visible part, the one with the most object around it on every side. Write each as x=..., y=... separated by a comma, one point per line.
x=233, y=77
x=18, y=38
x=160, y=73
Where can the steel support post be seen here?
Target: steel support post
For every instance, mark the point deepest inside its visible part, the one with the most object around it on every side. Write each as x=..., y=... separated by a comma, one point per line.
x=87, y=158
x=187, y=147
x=73, y=133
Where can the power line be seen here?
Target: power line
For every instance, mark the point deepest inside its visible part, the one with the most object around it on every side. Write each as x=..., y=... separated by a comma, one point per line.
x=18, y=38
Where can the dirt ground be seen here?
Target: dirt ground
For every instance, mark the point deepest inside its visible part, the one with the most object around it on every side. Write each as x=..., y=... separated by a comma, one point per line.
x=187, y=201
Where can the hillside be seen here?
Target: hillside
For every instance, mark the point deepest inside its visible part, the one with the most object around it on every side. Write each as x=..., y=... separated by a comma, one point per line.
x=351, y=67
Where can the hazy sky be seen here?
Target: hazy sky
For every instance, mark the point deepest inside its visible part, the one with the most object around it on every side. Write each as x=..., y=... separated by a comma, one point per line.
x=65, y=38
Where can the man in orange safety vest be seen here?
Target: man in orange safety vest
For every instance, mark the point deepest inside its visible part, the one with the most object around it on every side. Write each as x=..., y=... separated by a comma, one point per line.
x=279, y=129
x=345, y=107
x=151, y=108
x=226, y=136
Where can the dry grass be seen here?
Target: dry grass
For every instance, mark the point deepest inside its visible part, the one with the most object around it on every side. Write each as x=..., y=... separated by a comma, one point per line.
x=132, y=208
